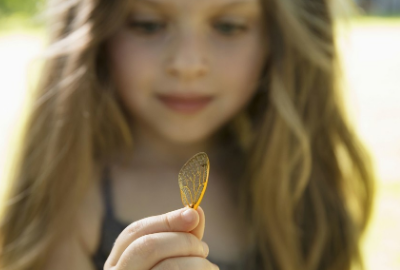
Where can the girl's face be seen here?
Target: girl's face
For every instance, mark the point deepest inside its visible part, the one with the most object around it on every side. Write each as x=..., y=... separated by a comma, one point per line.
x=183, y=68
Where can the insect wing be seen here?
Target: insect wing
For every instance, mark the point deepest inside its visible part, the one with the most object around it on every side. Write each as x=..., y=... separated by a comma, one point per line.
x=193, y=179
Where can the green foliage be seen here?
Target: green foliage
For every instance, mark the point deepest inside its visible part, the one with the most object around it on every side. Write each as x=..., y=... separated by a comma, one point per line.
x=20, y=7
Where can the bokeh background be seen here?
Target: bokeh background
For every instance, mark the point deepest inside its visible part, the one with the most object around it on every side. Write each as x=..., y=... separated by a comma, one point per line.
x=370, y=47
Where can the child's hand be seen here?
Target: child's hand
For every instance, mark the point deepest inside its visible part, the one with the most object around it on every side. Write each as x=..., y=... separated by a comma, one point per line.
x=168, y=241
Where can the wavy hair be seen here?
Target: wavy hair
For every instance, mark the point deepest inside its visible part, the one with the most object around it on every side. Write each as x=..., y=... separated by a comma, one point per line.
x=308, y=185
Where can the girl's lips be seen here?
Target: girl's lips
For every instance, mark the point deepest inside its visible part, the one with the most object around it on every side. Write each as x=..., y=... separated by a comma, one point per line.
x=185, y=104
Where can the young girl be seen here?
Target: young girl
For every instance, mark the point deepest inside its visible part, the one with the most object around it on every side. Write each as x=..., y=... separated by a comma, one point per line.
x=133, y=88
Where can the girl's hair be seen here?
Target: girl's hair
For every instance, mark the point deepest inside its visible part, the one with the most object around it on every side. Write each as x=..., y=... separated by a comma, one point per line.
x=307, y=185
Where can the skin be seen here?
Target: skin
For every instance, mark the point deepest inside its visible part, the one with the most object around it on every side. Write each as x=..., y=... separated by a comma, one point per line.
x=175, y=235
x=207, y=47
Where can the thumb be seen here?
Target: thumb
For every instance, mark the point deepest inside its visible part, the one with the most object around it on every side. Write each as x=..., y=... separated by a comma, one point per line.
x=199, y=230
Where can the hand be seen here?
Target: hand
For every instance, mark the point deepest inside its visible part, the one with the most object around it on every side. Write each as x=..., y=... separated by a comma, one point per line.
x=168, y=241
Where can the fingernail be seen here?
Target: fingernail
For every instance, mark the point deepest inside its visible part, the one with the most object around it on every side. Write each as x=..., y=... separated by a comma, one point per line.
x=188, y=215
x=206, y=250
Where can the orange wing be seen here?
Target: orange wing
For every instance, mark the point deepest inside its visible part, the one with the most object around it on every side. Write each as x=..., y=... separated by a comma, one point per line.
x=193, y=179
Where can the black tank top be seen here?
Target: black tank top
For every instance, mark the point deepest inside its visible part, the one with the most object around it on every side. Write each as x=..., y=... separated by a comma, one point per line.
x=111, y=228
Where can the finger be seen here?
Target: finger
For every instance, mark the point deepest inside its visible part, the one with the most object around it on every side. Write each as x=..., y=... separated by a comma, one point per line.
x=151, y=249
x=199, y=230
x=192, y=263
x=181, y=220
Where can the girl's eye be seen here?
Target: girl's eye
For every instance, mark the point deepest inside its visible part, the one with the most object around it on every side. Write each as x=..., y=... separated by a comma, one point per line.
x=152, y=27
x=146, y=27
x=229, y=29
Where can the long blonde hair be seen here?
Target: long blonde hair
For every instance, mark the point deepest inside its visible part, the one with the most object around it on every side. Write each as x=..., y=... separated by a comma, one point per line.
x=308, y=185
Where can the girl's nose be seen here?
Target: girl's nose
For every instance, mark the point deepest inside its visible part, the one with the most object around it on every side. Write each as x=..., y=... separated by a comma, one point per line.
x=187, y=59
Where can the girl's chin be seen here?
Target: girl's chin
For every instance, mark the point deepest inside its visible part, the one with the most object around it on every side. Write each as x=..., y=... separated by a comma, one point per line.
x=188, y=138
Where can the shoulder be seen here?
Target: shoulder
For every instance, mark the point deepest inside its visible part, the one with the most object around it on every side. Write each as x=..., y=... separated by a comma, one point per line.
x=73, y=249
x=68, y=253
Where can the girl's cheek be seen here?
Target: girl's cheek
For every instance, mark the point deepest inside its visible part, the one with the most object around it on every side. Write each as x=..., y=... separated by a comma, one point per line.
x=242, y=60
x=131, y=57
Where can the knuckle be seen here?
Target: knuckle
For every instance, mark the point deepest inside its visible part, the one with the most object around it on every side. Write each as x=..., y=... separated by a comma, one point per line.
x=167, y=222
x=191, y=242
x=133, y=228
x=168, y=265
x=146, y=246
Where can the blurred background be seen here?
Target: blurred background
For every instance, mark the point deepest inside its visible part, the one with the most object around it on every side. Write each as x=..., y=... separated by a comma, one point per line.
x=370, y=49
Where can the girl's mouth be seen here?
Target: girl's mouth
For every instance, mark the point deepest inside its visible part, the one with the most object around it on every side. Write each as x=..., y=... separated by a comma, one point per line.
x=182, y=104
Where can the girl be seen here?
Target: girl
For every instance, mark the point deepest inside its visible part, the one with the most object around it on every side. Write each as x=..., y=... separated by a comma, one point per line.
x=133, y=88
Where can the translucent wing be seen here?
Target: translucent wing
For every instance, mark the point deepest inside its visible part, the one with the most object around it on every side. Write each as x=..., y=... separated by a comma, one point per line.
x=193, y=179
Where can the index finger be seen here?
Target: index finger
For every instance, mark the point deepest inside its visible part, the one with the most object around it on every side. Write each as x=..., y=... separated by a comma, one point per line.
x=181, y=220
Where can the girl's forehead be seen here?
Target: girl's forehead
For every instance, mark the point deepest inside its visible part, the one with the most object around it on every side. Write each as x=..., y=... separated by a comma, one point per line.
x=187, y=4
